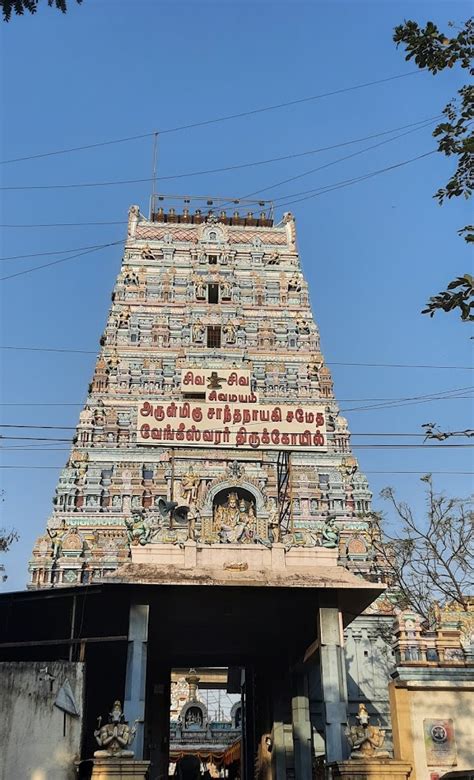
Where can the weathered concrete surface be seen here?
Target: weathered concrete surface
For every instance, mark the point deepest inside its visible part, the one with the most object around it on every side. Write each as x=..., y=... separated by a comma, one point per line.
x=115, y=768
x=39, y=741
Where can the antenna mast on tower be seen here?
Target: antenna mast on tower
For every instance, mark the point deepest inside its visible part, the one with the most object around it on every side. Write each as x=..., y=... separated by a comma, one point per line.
x=154, y=171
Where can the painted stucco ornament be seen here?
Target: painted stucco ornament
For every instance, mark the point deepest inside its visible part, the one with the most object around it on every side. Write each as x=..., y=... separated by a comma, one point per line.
x=330, y=534
x=138, y=529
x=115, y=736
x=364, y=739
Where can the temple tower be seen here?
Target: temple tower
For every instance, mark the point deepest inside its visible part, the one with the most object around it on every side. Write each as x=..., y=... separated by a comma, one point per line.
x=210, y=390
x=211, y=512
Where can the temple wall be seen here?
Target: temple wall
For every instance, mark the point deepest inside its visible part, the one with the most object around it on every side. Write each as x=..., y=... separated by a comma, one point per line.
x=433, y=698
x=369, y=661
x=39, y=741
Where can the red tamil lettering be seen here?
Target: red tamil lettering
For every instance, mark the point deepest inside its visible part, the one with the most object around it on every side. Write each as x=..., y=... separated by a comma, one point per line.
x=185, y=411
x=159, y=413
x=240, y=437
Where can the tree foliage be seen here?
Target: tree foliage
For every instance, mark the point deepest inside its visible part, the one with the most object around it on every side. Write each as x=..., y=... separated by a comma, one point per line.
x=427, y=559
x=20, y=6
x=458, y=295
x=434, y=51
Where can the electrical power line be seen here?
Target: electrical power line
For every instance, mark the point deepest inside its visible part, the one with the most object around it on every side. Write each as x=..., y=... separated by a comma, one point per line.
x=451, y=473
x=53, y=252
x=23, y=426
x=333, y=162
x=62, y=260
x=63, y=224
x=215, y=120
x=415, y=126
x=356, y=446
x=328, y=363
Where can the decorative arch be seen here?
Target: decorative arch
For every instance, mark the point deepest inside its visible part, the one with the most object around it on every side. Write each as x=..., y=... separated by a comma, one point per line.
x=213, y=234
x=189, y=712
x=227, y=483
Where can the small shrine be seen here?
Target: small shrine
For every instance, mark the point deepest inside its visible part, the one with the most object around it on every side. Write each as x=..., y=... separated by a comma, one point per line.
x=194, y=733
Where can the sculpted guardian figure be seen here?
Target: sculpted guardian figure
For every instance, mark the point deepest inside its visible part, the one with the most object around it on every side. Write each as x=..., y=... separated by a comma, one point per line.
x=115, y=736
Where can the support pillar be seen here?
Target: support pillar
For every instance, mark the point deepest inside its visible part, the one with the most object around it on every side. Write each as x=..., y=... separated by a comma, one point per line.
x=333, y=680
x=302, y=733
x=248, y=723
x=135, y=680
x=282, y=751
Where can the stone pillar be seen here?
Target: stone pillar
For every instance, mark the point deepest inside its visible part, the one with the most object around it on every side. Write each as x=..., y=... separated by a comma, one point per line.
x=282, y=751
x=248, y=723
x=302, y=732
x=135, y=680
x=333, y=679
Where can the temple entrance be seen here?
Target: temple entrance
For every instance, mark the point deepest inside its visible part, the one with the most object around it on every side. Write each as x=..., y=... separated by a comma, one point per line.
x=205, y=724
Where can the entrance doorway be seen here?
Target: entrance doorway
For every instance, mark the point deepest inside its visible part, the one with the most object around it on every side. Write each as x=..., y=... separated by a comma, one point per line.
x=205, y=723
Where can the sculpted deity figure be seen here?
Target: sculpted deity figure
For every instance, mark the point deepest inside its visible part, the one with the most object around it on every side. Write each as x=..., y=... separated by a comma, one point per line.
x=198, y=331
x=330, y=534
x=364, y=739
x=56, y=539
x=231, y=510
x=200, y=288
x=226, y=290
x=115, y=736
x=190, y=486
x=133, y=217
x=229, y=332
x=273, y=521
x=138, y=529
x=227, y=519
x=294, y=283
x=302, y=328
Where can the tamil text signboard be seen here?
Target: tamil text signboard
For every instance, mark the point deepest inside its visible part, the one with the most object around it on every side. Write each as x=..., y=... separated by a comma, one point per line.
x=240, y=425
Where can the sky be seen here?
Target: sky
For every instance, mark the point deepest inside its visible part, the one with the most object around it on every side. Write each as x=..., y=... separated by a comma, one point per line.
x=372, y=252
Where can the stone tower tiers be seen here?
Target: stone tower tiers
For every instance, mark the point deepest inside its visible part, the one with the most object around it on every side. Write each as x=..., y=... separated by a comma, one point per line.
x=210, y=433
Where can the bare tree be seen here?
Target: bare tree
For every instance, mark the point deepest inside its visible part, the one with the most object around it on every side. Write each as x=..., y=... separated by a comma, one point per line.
x=427, y=559
x=7, y=537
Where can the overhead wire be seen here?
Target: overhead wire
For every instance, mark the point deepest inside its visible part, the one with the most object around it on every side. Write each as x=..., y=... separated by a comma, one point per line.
x=335, y=162
x=348, y=182
x=215, y=120
x=62, y=224
x=358, y=447
x=23, y=426
x=61, y=260
x=326, y=362
x=53, y=252
x=453, y=473
x=415, y=126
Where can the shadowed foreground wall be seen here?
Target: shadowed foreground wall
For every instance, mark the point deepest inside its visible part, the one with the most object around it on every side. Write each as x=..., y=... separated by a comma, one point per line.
x=39, y=741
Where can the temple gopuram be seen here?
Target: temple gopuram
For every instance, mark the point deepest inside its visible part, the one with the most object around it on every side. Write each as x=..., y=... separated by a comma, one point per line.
x=210, y=390
x=211, y=514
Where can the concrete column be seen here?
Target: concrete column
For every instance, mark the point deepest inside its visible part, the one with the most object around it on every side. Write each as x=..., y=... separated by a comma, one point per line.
x=333, y=681
x=282, y=753
x=302, y=733
x=135, y=680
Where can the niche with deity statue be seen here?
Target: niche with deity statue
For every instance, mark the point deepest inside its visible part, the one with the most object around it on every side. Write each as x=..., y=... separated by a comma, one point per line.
x=235, y=519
